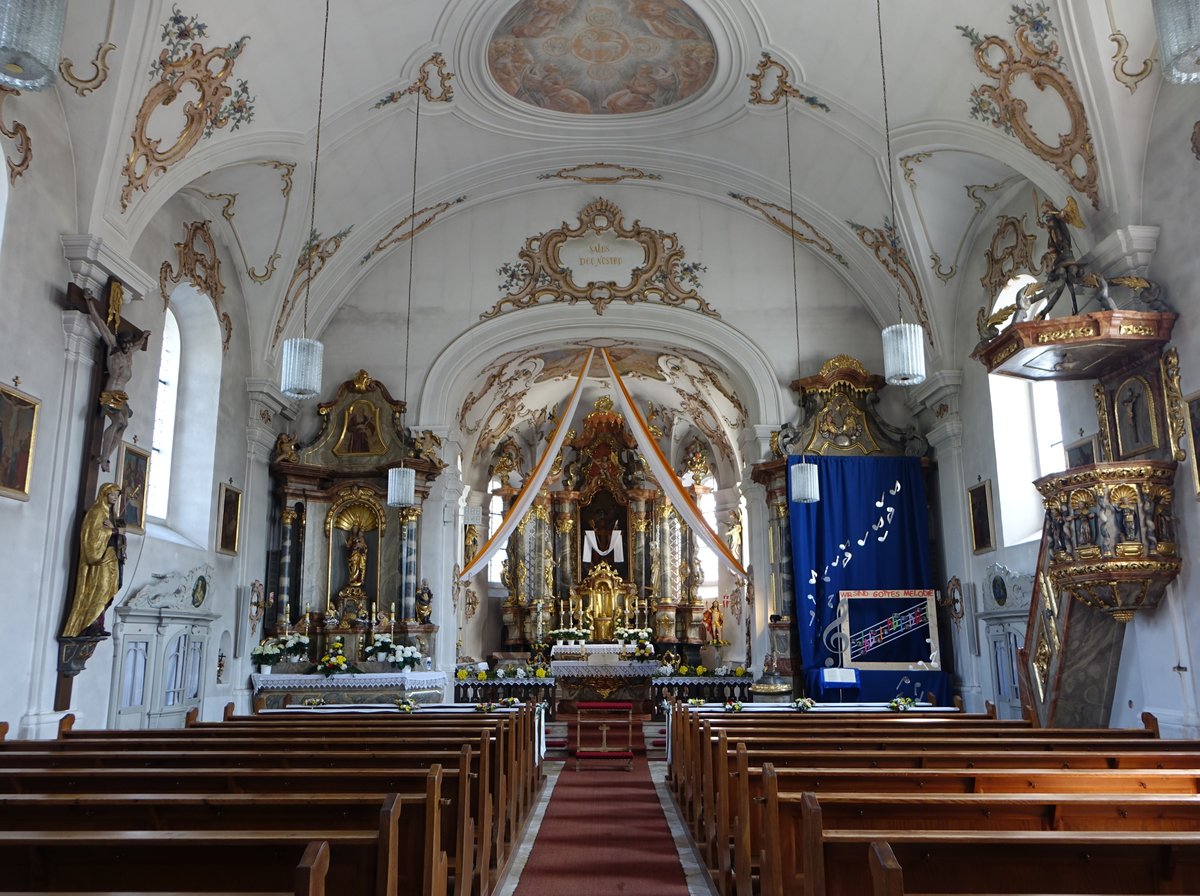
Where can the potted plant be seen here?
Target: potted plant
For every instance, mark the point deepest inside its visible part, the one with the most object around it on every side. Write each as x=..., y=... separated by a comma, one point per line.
x=268, y=652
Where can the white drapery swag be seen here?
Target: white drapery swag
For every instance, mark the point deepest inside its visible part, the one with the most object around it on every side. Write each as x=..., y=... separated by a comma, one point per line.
x=533, y=484
x=667, y=479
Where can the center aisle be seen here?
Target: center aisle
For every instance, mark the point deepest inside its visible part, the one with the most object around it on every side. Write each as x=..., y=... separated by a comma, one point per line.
x=604, y=833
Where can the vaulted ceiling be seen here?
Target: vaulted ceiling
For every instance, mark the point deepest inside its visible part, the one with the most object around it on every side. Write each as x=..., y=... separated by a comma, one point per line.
x=984, y=101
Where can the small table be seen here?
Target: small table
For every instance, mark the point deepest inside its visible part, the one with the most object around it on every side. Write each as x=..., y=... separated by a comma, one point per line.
x=605, y=716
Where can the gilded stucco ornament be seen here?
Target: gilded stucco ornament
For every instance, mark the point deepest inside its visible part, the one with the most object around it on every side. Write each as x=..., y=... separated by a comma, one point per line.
x=1035, y=58
x=200, y=264
x=884, y=242
x=228, y=203
x=771, y=69
x=84, y=86
x=405, y=228
x=542, y=277
x=313, y=257
x=19, y=134
x=432, y=69
x=599, y=173
x=791, y=224
x=1175, y=407
x=180, y=77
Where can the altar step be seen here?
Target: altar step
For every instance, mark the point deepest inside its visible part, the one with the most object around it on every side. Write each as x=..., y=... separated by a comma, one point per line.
x=649, y=738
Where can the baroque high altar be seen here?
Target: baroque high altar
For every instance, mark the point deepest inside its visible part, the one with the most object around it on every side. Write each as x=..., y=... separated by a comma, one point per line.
x=601, y=548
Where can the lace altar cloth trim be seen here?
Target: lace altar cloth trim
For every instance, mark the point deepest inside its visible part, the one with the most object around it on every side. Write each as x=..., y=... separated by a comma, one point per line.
x=407, y=680
x=572, y=669
x=565, y=650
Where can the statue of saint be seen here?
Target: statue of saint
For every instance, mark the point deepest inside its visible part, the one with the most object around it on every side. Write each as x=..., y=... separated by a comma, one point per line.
x=114, y=400
x=424, y=603
x=101, y=556
x=356, y=559
x=714, y=621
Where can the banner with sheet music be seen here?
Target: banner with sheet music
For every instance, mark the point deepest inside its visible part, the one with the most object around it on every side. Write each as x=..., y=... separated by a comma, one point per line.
x=869, y=531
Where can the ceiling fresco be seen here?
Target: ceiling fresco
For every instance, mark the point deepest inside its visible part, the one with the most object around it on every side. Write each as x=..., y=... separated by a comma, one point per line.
x=600, y=57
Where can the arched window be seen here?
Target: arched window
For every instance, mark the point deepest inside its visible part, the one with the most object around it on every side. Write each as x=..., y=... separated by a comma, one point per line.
x=1027, y=428
x=495, y=518
x=157, y=501
x=707, y=503
x=185, y=433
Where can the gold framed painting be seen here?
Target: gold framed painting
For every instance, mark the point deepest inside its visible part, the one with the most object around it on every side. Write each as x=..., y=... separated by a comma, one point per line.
x=133, y=476
x=18, y=438
x=229, y=521
x=983, y=525
x=1193, y=431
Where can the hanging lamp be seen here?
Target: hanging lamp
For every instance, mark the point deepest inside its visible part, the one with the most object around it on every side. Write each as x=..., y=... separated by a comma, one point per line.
x=1178, y=24
x=903, y=343
x=804, y=488
x=402, y=480
x=30, y=42
x=303, y=358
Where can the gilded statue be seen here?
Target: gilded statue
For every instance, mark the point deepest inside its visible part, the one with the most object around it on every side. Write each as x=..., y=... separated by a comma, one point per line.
x=424, y=603
x=1065, y=270
x=114, y=400
x=285, y=449
x=101, y=556
x=356, y=559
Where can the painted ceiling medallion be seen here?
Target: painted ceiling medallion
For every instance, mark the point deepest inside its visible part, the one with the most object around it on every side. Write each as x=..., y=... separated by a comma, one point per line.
x=601, y=57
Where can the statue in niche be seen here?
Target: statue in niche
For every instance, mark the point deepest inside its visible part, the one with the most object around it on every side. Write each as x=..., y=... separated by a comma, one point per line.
x=101, y=559
x=424, y=603
x=114, y=400
x=356, y=558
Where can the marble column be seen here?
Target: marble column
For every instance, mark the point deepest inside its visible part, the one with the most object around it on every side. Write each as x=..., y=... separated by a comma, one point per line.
x=283, y=611
x=409, y=517
x=565, y=552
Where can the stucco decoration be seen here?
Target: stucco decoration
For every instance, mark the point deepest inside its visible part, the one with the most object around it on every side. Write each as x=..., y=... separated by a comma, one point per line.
x=599, y=173
x=772, y=81
x=791, y=224
x=433, y=68
x=1034, y=58
x=599, y=261
x=1120, y=56
x=313, y=258
x=596, y=57
x=19, y=134
x=84, y=86
x=198, y=261
x=183, y=69
x=229, y=202
x=1010, y=253
x=404, y=229
x=885, y=243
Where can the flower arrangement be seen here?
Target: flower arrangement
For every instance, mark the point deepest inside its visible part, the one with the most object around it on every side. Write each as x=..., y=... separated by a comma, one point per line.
x=804, y=704
x=644, y=650
x=902, y=704
x=701, y=670
x=632, y=634
x=695, y=701
x=406, y=704
x=484, y=707
x=684, y=669
x=540, y=672
x=313, y=701
x=461, y=674
x=665, y=669
x=733, y=706
x=334, y=660
x=292, y=647
x=508, y=701
x=569, y=634
x=383, y=649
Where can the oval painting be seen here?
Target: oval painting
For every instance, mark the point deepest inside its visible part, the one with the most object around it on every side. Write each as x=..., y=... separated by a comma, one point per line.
x=601, y=57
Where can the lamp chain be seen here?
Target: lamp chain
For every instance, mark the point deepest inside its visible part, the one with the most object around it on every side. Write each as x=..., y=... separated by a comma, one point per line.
x=412, y=235
x=787, y=127
x=312, y=209
x=894, y=235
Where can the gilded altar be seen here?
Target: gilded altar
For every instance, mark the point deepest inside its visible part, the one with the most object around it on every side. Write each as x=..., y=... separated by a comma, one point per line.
x=606, y=602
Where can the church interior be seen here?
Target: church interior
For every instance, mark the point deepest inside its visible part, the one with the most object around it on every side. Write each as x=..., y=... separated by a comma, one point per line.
x=710, y=352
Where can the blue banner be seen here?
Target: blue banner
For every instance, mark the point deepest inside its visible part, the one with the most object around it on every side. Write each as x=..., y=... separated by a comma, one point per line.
x=870, y=530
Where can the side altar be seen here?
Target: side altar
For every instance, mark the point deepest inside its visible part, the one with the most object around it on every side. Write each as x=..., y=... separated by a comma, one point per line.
x=275, y=691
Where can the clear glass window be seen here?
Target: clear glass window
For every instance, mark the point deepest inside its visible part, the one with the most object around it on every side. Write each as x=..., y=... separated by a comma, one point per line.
x=161, y=448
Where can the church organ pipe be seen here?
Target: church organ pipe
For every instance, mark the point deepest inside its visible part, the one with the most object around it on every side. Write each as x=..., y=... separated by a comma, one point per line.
x=408, y=562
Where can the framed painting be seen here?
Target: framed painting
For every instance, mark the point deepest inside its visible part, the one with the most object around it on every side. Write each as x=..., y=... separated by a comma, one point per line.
x=1136, y=415
x=1193, y=424
x=1081, y=453
x=18, y=437
x=983, y=526
x=134, y=472
x=229, y=522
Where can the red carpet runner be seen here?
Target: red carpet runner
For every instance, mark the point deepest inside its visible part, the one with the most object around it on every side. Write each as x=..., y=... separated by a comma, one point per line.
x=603, y=833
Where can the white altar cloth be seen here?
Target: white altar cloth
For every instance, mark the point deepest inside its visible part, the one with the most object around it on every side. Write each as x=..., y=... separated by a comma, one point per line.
x=580, y=669
x=410, y=681
x=565, y=650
